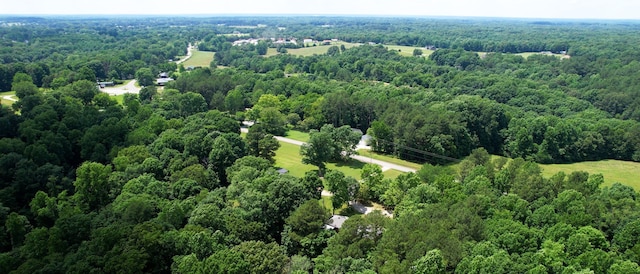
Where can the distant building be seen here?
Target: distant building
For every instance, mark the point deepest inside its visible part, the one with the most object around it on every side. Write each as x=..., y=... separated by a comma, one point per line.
x=326, y=42
x=106, y=84
x=163, y=79
x=307, y=41
x=336, y=222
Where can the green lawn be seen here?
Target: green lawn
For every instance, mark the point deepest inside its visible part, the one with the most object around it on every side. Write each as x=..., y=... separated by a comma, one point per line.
x=298, y=135
x=309, y=51
x=627, y=173
x=288, y=157
x=408, y=51
x=344, y=210
x=118, y=98
x=527, y=54
x=392, y=174
x=199, y=59
x=390, y=159
x=7, y=103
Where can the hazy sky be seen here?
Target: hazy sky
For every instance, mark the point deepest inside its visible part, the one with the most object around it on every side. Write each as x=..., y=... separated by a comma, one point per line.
x=600, y=9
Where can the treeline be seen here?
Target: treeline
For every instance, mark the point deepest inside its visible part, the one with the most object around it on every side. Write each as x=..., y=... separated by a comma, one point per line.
x=536, y=108
x=165, y=184
x=56, y=53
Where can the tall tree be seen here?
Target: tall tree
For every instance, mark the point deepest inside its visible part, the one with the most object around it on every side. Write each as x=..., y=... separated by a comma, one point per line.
x=260, y=143
x=318, y=150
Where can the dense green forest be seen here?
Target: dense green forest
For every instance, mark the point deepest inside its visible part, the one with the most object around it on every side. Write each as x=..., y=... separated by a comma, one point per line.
x=164, y=182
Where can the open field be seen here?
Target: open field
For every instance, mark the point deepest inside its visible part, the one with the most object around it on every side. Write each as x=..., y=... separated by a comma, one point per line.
x=627, y=173
x=527, y=54
x=199, y=59
x=298, y=135
x=288, y=157
x=387, y=158
x=408, y=51
x=309, y=51
x=5, y=102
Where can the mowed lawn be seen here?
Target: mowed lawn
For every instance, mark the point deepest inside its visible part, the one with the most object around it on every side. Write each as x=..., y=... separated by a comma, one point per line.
x=288, y=157
x=199, y=59
x=5, y=102
x=627, y=173
x=298, y=135
x=527, y=54
x=408, y=51
x=311, y=50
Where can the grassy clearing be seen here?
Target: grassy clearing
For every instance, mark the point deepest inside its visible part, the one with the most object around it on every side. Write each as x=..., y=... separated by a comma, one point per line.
x=288, y=157
x=298, y=135
x=392, y=174
x=408, y=51
x=627, y=173
x=118, y=98
x=390, y=159
x=527, y=54
x=199, y=59
x=5, y=102
x=344, y=210
x=310, y=51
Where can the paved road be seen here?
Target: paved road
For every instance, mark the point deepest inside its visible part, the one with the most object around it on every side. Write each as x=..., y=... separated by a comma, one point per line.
x=189, y=49
x=128, y=88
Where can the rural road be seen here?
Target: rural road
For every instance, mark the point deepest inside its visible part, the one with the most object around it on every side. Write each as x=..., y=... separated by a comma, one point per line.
x=128, y=88
x=189, y=49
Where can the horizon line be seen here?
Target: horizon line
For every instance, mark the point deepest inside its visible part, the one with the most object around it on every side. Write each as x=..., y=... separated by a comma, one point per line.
x=314, y=15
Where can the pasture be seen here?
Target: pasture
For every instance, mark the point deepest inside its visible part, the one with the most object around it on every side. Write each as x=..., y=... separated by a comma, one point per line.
x=527, y=54
x=627, y=173
x=408, y=51
x=199, y=59
x=311, y=50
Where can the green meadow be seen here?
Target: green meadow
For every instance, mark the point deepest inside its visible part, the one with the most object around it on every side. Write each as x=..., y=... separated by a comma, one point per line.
x=199, y=59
